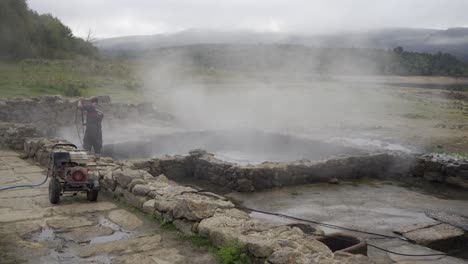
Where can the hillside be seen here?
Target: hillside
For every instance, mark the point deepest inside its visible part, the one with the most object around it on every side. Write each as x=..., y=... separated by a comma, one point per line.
x=296, y=60
x=26, y=34
x=453, y=40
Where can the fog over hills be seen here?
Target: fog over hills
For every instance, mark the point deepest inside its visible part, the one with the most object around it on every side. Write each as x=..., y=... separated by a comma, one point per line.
x=452, y=40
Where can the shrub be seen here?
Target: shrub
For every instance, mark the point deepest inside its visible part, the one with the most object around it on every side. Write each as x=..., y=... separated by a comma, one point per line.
x=233, y=253
x=72, y=91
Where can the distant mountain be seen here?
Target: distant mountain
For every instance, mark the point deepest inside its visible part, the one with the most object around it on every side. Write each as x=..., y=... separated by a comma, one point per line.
x=452, y=40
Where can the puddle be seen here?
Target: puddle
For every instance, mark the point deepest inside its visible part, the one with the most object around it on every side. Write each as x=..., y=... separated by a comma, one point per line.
x=59, y=248
x=63, y=250
x=118, y=234
x=46, y=234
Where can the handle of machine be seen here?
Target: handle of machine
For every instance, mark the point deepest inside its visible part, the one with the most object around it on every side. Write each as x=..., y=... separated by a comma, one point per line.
x=65, y=145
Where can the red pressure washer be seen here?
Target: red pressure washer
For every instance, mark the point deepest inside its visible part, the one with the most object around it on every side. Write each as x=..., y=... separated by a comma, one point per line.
x=68, y=172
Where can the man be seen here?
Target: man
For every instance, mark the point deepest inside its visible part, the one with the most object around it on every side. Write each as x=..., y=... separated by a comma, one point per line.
x=93, y=133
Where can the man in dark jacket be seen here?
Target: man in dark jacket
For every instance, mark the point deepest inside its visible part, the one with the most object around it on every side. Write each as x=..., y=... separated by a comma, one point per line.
x=93, y=133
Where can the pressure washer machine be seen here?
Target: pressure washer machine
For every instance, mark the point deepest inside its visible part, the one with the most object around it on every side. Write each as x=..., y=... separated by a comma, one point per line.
x=68, y=172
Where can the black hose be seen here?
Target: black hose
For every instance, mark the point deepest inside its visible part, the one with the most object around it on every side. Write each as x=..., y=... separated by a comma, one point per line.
x=341, y=228
x=25, y=185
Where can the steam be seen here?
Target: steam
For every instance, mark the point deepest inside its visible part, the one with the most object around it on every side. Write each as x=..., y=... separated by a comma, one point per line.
x=288, y=98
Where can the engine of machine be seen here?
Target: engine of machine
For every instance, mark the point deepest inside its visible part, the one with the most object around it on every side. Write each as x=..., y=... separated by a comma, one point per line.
x=73, y=166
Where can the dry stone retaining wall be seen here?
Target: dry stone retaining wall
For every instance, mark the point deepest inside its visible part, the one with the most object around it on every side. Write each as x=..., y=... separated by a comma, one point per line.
x=202, y=213
x=14, y=135
x=410, y=168
x=47, y=113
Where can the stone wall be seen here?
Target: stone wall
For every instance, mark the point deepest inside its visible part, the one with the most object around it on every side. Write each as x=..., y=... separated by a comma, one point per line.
x=47, y=113
x=202, y=165
x=409, y=168
x=202, y=213
x=14, y=135
x=443, y=168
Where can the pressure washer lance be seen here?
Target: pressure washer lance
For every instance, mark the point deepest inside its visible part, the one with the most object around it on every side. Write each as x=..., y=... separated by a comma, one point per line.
x=83, y=124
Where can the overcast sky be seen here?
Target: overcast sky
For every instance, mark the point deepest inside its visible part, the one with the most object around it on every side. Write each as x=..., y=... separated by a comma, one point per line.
x=111, y=18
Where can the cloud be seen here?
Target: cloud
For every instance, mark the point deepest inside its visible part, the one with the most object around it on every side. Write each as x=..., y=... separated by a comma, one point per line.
x=109, y=18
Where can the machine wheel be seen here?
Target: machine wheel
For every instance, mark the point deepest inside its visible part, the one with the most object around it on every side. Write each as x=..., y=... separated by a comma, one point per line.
x=54, y=191
x=92, y=195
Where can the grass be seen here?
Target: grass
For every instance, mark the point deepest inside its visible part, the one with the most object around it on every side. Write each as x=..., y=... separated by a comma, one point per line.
x=197, y=241
x=81, y=77
x=234, y=253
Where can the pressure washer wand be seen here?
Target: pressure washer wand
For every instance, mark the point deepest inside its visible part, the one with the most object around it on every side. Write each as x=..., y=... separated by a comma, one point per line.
x=83, y=124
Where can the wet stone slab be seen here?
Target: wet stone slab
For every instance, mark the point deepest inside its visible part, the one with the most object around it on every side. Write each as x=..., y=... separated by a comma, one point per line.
x=77, y=231
x=449, y=218
x=125, y=219
x=441, y=237
x=87, y=234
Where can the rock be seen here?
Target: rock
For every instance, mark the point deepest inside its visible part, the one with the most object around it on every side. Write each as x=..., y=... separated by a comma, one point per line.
x=197, y=207
x=125, y=176
x=407, y=228
x=457, y=181
x=141, y=190
x=219, y=227
x=448, y=218
x=149, y=206
x=125, y=219
x=244, y=185
x=162, y=178
x=108, y=182
x=87, y=233
x=431, y=165
x=262, y=240
x=333, y=180
x=169, y=190
x=308, y=229
x=184, y=226
x=135, y=182
x=167, y=217
x=158, y=256
x=442, y=237
x=77, y=209
x=164, y=205
x=463, y=174
x=434, y=176
x=134, y=200
x=135, y=245
x=68, y=223
x=348, y=258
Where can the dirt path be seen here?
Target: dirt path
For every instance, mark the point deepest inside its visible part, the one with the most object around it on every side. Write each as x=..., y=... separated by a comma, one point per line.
x=77, y=231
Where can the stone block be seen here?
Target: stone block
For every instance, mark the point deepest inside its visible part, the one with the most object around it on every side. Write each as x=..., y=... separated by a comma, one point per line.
x=441, y=237
x=197, y=207
x=141, y=189
x=463, y=174
x=184, y=226
x=149, y=206
x=434, y=176
x=124, y=177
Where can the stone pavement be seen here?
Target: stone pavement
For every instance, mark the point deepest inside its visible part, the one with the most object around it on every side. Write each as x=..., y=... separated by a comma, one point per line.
x=77, y=231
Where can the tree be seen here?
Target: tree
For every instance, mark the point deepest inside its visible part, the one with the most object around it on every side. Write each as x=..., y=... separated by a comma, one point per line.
x=26, y=34
x=398, y=50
